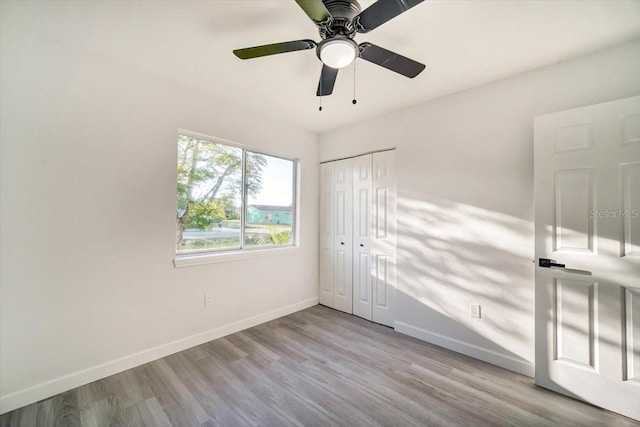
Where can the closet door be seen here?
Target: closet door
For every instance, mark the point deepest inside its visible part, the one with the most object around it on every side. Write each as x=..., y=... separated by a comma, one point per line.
x=343, y=236
x=362, y=236
x=383, y=237
x=327, y=171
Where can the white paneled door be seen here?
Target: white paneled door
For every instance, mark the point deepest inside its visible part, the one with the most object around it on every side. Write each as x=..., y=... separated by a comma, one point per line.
x=358, y=236
x=587, y=234
x=343, y=236
x=362, y=305
x=383, y=237
x=326, y=234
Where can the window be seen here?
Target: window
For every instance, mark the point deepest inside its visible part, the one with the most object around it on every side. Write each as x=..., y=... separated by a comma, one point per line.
x=229, y=198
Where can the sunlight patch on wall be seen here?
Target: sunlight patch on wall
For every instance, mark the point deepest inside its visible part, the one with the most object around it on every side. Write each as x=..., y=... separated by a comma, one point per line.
x=452, y=254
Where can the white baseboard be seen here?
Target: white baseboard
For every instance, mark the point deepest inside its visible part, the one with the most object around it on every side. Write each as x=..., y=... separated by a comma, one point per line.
x=489, y=356
x=50, y=388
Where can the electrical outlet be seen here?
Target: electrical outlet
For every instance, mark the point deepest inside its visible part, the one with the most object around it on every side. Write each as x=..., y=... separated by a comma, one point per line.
x=207, y=300
x=475, y=310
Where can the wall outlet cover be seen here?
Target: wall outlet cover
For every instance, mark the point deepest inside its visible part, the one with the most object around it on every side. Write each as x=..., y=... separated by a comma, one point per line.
x=475, y=310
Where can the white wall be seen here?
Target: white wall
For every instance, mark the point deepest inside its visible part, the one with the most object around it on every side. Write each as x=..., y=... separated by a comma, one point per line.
x=88, y=173
x=465, y=207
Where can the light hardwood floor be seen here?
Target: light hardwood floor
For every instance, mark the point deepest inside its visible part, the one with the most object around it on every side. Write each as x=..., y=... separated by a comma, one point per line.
x=317, y=367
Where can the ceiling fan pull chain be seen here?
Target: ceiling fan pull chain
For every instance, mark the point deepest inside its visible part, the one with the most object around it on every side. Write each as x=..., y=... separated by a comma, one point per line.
x=320, y=108
x=354, y=84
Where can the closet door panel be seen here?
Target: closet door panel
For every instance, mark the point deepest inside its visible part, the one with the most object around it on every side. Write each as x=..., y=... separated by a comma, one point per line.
x=383, y=238
x=326, y=290
x=362, y=204
x=343, y=235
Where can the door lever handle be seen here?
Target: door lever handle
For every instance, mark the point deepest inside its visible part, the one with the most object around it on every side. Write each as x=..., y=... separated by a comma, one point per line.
x=548, y=263
x=551, y=263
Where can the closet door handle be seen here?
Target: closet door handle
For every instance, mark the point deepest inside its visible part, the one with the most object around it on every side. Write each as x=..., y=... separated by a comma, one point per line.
x=362, y=245
x=342, y=243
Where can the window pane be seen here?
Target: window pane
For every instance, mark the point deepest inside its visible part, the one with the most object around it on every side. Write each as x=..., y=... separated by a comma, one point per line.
x=269, y=219
x=209, y=195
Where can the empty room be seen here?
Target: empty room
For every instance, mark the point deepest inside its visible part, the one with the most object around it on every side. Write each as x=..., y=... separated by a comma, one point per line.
x=319, y=213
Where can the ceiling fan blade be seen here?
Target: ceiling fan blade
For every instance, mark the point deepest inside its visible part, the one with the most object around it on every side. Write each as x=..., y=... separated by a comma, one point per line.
x=327, y=80
x=316, y=10
x=272, y=49
x=381, y=12
x=390, y=60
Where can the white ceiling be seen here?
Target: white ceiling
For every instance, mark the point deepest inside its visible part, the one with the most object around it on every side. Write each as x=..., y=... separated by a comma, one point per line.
x=462, y=43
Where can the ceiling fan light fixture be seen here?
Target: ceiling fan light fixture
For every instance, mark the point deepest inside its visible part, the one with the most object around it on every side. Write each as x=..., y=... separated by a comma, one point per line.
x=338, y=53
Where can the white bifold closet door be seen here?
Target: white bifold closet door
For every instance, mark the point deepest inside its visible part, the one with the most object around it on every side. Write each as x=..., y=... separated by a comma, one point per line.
x=358, y=236
x=362, y=237
x=383, y=237
x=343, y=236
x=327, y=172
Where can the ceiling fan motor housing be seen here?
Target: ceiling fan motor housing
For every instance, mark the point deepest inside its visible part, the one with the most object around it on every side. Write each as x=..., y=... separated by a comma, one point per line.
x=343, y=12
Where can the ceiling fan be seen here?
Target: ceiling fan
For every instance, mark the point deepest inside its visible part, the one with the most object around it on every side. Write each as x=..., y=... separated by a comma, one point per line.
x=338, y=22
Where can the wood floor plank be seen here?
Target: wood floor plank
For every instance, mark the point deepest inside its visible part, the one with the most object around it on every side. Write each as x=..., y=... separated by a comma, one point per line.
x=175, y=399
x=151, y=413
x=102, y=412
x=25, y=416
x=204, y=390
x=327, y=400
x=316, y=367
x=60, y=410
x=252, y=348
x=238, y=394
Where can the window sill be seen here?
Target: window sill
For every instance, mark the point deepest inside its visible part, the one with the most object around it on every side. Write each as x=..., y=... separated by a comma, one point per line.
x=211, y=258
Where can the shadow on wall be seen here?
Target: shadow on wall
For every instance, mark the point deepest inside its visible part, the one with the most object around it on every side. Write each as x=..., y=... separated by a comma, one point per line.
x=451, y=255
x=408, y=302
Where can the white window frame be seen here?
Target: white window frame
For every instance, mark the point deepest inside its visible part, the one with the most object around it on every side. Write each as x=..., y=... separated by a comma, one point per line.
x=244, y=252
